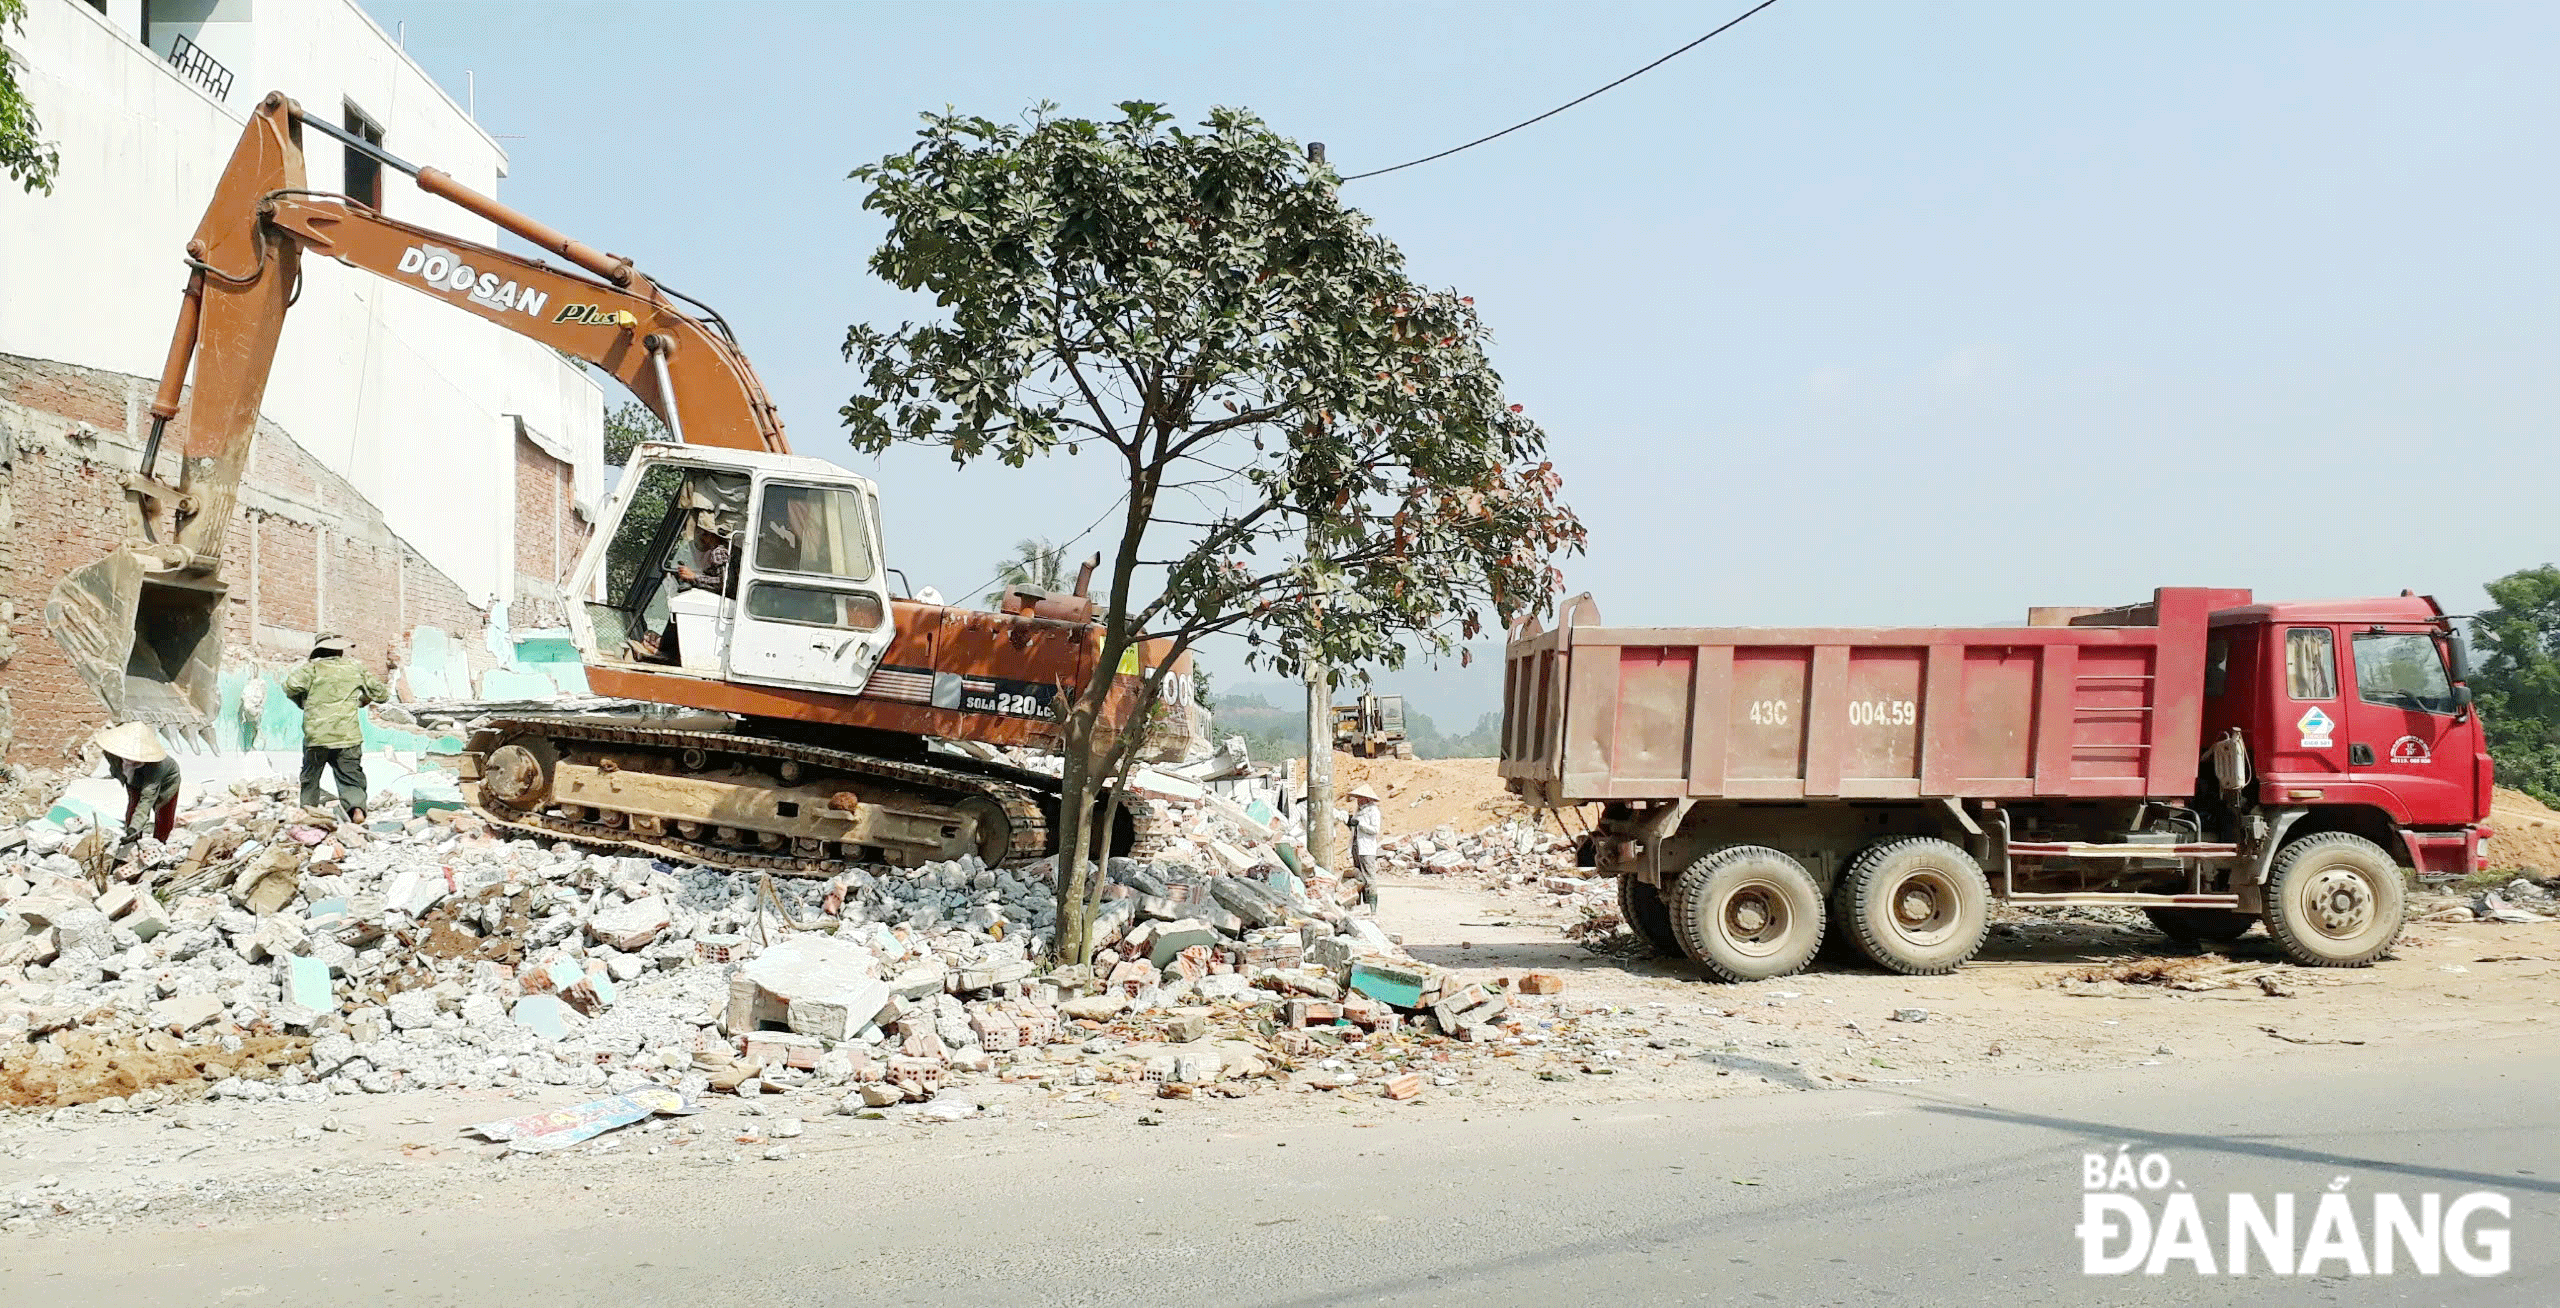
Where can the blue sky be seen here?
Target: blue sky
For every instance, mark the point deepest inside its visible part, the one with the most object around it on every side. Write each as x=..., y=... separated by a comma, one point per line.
x=1860, y=314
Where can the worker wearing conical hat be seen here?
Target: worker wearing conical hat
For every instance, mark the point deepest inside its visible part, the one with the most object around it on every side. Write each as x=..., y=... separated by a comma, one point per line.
x=136, y=758
x=1366, y=824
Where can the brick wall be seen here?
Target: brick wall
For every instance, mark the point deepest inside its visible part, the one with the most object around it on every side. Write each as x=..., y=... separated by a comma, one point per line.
x=549, y=535
x=305, y=553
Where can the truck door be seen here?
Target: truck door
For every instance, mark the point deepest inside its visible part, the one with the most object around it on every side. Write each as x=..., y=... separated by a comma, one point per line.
x=813, y=609
x=2401, y=732
x=2310, y=726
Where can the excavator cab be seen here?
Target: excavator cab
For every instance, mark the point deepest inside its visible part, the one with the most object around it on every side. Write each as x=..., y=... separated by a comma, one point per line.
x=737, y=565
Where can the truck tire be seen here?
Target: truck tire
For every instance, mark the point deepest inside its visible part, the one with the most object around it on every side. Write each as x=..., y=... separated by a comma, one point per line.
x=1748, y=913
x=1919, y=906
x=2334, y=900
x=2201, y=925
x=1640, y=906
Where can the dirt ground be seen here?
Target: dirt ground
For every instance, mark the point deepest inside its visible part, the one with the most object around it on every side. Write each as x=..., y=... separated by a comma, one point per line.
x=2042, y=993
x=2070, y=990
x=1419, y=794
x=1467, y=793
x=78, y=1067
x=1626, y=1028
x=2528, y=834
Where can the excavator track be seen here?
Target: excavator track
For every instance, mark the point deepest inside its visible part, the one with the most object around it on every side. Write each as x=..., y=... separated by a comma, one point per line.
x=1018, y=792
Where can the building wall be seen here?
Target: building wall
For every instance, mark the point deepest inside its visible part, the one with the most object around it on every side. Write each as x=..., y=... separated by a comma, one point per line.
x=549, y=533
x=306, y=553
x=414, y=403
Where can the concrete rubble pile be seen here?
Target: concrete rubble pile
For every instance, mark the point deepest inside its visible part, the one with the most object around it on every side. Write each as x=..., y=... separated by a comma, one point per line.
x=1508, y=855
x=425, y=952
x=2530, y=897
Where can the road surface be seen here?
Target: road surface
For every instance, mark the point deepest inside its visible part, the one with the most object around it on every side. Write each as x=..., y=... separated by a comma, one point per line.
x=1955, y=1193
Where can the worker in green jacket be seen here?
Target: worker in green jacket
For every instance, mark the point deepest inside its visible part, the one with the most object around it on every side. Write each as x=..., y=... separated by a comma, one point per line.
x=333, y=690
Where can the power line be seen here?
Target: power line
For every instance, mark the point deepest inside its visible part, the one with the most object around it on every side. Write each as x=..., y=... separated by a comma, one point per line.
x=1061, y=548
x=1377, y=172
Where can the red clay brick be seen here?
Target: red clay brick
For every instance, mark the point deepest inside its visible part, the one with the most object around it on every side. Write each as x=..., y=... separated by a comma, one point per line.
x=65, y=507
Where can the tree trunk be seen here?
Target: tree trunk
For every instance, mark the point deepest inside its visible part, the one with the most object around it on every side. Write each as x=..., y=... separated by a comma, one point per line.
x=1072, y=941
x=1124, y=760
x=1319, y=779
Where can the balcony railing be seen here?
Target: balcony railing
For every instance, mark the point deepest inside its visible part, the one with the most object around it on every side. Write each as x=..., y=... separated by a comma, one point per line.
x=198, y=67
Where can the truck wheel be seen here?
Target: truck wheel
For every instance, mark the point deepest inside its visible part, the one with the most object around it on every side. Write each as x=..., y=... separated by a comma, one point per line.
x=2200, y=925
x=2334, y=900
x=1640, y=906
x=1919, y=907
x=1748, y=913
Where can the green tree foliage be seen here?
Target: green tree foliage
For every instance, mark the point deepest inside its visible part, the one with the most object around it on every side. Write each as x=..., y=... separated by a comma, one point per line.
x=1271, y=734
x=625, y=428
x=1485, y=741
x=25, y=155
x=1036, y=564
x=2516, y=645
x=1317, y=454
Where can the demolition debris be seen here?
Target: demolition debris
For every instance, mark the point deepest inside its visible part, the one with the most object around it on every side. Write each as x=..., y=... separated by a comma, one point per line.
x=261, y=954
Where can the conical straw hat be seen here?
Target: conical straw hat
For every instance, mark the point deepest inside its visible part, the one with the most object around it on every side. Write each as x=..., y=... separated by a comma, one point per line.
x=133, y=740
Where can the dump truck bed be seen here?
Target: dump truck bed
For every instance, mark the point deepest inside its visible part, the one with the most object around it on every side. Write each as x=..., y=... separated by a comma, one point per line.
x=2080, y=704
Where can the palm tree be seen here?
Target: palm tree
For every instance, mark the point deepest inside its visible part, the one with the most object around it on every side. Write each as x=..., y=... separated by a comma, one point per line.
x=1036, y=564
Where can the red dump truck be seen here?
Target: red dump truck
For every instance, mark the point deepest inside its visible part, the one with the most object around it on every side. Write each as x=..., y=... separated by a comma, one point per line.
x=2212, y=760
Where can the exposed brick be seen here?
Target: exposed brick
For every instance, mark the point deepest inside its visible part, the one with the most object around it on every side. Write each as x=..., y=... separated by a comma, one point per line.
x=549, y=535
x=305, y=552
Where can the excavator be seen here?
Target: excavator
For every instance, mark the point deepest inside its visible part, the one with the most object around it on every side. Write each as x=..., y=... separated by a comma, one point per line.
x=737, y=591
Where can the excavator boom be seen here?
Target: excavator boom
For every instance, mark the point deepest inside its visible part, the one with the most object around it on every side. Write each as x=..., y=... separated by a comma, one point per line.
x=831, y=684
x=143, y=626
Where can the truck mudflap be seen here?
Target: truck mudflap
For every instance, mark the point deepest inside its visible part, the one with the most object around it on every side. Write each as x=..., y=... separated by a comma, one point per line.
x=2444, y=855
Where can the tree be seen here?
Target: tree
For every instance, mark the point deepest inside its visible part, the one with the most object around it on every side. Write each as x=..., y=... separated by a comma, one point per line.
x=1318, y=456
x=1036, y=564
x=625, y=428
x=25, y=155
x=1485, y=741
x=2517, y=681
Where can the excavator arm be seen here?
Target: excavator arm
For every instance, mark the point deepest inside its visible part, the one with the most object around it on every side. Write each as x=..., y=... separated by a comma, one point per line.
x=142, y=627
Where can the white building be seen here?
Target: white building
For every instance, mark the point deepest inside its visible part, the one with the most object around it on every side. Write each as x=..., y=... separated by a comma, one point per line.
x=416, y=404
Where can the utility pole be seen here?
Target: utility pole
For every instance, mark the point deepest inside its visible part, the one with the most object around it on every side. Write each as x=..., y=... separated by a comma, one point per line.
x=1320, y=768
x=1319, y=716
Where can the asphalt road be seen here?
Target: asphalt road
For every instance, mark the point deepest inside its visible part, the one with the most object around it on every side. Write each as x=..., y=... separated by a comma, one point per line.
x=1954, y=1194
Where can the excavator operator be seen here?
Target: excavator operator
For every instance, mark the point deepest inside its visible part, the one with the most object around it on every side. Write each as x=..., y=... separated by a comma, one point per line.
x=711, y=550
x=713, y=508
x=712, y=570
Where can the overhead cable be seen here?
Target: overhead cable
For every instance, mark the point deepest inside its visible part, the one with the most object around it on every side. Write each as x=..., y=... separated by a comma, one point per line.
x=1378, y=172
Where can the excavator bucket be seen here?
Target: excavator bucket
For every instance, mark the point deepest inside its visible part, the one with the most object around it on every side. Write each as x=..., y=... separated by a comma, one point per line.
x=149, y=642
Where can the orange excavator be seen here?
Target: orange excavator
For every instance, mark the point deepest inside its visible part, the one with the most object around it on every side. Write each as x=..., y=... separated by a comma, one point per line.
x=740, y=586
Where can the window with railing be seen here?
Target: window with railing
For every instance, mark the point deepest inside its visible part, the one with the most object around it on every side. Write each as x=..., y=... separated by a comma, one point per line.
x=198, y=67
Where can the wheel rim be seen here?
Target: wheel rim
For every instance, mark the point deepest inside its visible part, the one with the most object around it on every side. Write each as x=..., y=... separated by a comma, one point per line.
x=513, y=776
x=1923, y=909
x=2338, y=903
x=1755, y=918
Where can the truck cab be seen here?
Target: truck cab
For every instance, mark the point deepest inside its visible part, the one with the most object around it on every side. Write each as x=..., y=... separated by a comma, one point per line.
x=2355, y=714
